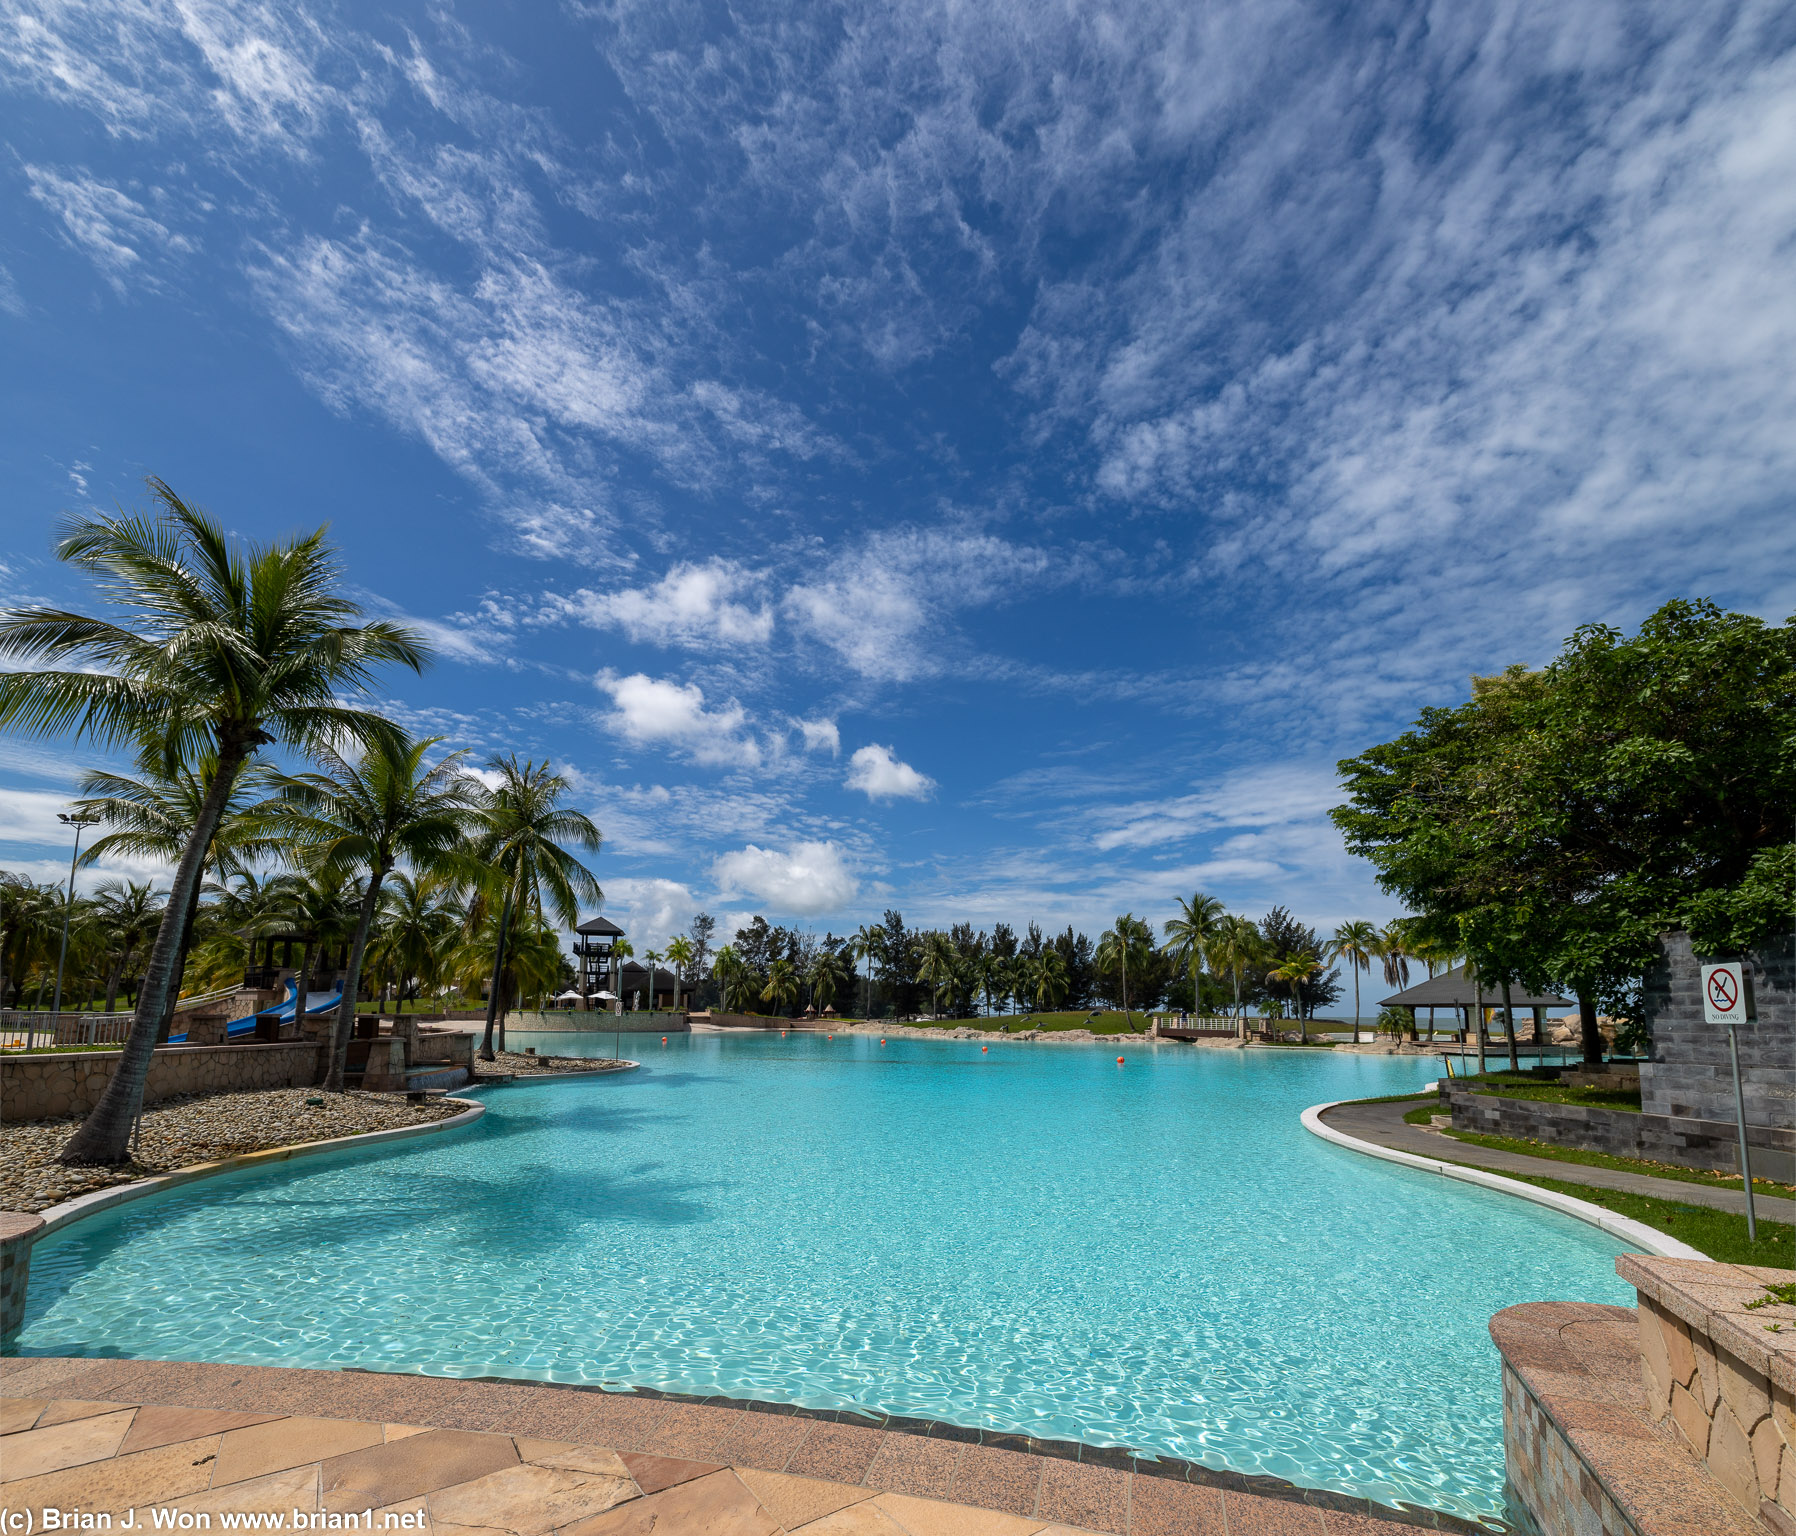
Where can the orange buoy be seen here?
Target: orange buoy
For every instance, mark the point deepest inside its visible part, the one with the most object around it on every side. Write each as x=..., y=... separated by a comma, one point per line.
x=832, y=1037
x=882, y=1039
x=1119, y=1061
x=664, y=1039
x=983, y=1049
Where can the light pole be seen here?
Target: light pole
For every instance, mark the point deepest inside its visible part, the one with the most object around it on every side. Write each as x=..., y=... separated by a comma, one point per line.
x=78, y=820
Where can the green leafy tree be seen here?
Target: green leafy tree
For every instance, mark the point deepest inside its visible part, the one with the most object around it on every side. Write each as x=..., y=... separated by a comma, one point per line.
x=419, y=921
x=1558, y=821
x=129, y=912
x=212, y=647
x=936, y=966
x=1044, y=976
x=864, y=946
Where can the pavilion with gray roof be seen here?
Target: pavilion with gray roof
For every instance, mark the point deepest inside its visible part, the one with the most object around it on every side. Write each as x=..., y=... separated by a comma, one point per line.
x=1453, y=989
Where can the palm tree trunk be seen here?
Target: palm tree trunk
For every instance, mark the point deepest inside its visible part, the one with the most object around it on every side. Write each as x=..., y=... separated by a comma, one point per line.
x=174, y=992
x=112, y=977
x=105, y=1135
x=1482, y=1032
x=352, y=984
x=492, y=995
x=1590, y=1032
x=1356, y=1005
x=1515, y=1061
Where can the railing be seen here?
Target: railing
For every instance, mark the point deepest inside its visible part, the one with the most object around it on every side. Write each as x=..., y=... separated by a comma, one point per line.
x=23, y=1028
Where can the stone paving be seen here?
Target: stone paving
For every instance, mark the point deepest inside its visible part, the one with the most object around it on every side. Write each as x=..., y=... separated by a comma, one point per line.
x=459, y=1458
x=1383, y=1125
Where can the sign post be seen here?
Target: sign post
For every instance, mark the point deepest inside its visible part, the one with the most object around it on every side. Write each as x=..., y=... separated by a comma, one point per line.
x=1727, y=999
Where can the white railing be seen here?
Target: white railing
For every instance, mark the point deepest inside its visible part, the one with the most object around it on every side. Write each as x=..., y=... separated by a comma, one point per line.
x=22, y=1027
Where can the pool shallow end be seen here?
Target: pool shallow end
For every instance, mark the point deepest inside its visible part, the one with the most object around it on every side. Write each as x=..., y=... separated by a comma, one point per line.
x=1643, y=1237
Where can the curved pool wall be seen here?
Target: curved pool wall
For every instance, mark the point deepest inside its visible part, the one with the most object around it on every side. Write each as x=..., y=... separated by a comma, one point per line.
x=1030, y=1239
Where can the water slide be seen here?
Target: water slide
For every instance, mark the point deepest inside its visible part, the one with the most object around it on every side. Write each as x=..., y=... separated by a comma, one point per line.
x=316, y=1003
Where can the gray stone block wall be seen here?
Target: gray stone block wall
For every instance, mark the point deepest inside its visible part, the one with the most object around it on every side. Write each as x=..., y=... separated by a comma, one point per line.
x=1690, y=1074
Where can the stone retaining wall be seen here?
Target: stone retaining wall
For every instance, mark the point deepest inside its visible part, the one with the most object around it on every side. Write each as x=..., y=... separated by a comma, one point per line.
x=1719, y=1377
x=38, y=1087
x=640, y=1022
x=1711, y=1144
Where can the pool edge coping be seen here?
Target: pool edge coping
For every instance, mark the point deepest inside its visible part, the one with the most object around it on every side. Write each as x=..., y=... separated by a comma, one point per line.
x=68, y=1212
x=1638, y=1233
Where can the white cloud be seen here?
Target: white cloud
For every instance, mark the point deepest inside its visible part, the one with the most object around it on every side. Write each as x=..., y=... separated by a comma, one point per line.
x=877, y=773
x=1260, y=797
x=656, y=712
x=807, y=879
x=692, y=606
x=103, y=222
x=820, y=736
x=650, y=910
x=885, y=605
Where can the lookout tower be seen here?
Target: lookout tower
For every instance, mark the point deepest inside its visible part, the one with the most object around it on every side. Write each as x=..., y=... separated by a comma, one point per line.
x=593, y=953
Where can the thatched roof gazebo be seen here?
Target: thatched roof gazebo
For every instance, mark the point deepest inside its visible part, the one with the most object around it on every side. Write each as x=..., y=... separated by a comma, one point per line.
x=1454, y=989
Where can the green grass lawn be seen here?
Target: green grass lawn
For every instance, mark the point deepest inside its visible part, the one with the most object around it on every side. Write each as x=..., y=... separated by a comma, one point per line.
x=1719, y=1234
x=1523, y=1085
x=1643, y=1165
x=58, y=1050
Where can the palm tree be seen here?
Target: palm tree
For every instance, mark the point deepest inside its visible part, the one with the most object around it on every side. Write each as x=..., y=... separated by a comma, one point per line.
x=363, y=815
x=823, y=980
x=1358, y=943
x=866, y=945
x=1192, y=934
x=1239, y=945
x=525, y=825
x=937, y=966
x=1296, y=970
x=416, y=929
x=1130, y=937
x=321, y=907
x=735, y=985
x=679, y=956
x=151, y=816
x=621, y=950
x=1045, y=976
x=1396, y=948
x=129, y=912
x=653, y=959
x=220, y=648
x=782, y=985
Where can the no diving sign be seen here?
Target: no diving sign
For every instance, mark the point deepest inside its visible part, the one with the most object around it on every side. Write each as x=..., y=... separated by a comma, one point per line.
x=1726, y=998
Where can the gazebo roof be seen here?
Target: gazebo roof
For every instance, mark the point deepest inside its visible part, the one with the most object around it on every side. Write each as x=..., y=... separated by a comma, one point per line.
x=1451, y=990
x=600, y=927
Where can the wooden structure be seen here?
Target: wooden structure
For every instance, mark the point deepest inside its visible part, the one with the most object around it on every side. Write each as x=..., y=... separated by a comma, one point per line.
x=1452, y=989
x=595, y=961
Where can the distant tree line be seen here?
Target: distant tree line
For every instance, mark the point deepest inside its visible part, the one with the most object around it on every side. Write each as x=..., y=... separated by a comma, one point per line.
x=891, y=970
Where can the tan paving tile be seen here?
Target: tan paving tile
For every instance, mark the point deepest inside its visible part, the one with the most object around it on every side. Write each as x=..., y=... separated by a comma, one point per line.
x=794, y=1500
x=156, y=1425
x=577, y=1458
x=66, y=1410
x=934, y=1517
x=153, y=1477
x=992, y=1478
x=409, y=1518
x=17, y=1413
x=528, y=1500
x=65, y=1445
x=1066, y=1530
x=1075, y=1493
x=277, y=1492
x=866, y=1519
x=419, y=1464
x=1158, y=1506
x=718, y=1505
x=914, y=1465
x=402, y=1431
x=278, y=1443
x=653, y=1473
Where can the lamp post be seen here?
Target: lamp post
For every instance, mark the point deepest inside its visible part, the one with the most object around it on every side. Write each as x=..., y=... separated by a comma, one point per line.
x=78, y=820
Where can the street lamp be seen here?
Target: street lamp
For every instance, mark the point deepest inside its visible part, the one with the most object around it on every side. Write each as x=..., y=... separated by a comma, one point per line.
x=78, y=820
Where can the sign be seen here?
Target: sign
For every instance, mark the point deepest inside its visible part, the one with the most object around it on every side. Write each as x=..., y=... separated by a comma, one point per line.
x=1726, y=993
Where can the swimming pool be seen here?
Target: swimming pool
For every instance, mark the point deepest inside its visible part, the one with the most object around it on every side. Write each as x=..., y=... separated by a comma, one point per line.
x=1031, y=1239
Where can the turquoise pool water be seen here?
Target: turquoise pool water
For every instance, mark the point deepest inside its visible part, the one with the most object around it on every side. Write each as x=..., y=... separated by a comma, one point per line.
x=1034, y=1240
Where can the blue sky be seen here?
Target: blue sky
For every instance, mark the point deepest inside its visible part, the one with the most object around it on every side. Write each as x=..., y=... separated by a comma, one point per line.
x=989, y=460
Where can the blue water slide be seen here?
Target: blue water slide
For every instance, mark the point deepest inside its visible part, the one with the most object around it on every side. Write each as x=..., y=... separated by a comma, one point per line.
x=316, y=1003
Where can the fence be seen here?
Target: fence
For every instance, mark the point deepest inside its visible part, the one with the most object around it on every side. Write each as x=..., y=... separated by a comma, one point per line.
x=24, y=1028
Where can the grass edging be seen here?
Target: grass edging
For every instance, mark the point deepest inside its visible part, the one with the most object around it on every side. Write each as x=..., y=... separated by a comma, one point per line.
x=1649, y=1239
x=94, y=1201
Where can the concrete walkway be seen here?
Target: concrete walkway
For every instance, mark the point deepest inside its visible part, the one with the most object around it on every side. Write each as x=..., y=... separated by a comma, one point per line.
x=1383, y=1125
x=307, y=1450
